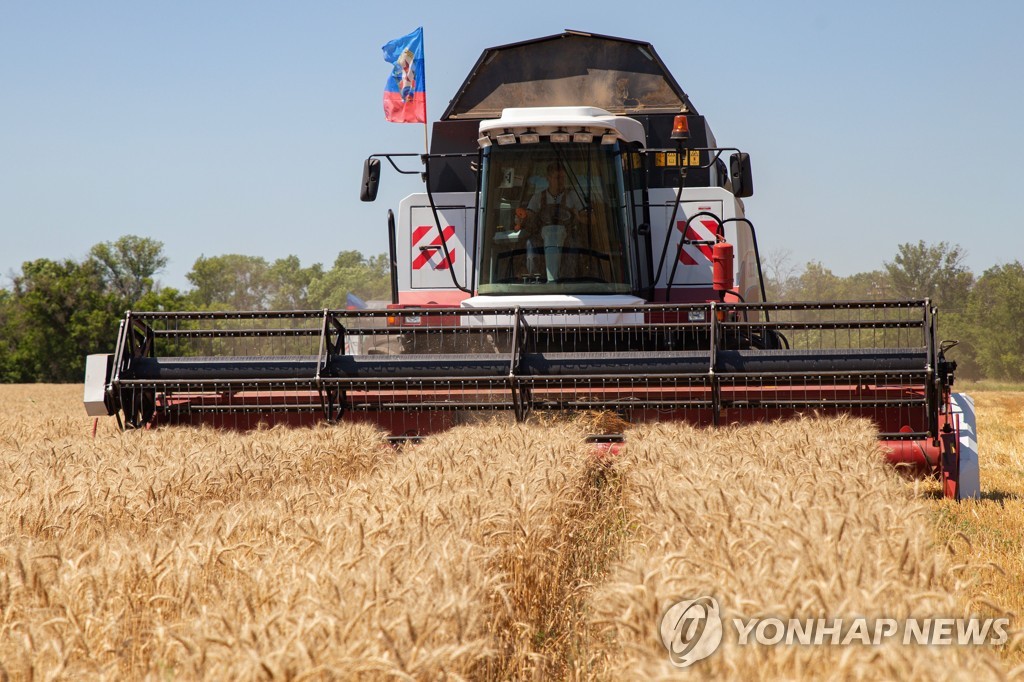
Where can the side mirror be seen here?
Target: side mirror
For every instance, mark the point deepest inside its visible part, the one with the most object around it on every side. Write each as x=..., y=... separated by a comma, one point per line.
x=371, y=178
x=740, y=175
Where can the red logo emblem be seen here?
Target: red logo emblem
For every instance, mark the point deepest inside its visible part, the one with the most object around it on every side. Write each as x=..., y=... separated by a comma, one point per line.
x=703, y=232
x=432, y=252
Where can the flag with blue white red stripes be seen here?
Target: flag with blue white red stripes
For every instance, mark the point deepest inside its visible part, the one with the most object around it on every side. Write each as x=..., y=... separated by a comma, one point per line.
x=405, y=96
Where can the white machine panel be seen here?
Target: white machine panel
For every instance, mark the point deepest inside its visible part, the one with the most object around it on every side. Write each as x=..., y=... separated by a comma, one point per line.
x=428, y=267
x=97, y=370
x=694, y=269
x=969, y=485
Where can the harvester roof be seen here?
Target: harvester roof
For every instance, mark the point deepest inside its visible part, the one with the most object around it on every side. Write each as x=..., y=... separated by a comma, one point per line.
x=621, y=76
x=545, y=120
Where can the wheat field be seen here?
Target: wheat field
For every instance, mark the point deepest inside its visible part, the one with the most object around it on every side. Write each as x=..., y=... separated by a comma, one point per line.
x=493, y=551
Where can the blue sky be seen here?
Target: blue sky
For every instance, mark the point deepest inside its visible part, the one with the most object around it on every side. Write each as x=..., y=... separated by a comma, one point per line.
x=240, y=127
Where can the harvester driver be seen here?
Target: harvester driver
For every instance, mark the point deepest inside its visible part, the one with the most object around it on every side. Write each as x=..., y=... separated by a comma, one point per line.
x=553, y=212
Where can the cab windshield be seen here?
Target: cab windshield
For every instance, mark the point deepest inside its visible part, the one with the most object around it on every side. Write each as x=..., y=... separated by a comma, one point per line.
x=554, y=220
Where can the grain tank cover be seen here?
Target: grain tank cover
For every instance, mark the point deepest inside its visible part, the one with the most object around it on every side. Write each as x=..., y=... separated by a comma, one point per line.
x=624, y=77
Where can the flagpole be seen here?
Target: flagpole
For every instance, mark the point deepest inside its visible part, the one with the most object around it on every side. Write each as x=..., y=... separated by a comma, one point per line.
x=426, y=118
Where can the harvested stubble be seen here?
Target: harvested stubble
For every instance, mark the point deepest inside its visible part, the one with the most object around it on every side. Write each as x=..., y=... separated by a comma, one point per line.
x=796, y=520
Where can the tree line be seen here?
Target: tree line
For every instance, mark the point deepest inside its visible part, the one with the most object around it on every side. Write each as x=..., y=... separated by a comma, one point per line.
x=56, y=312
x=983, y=314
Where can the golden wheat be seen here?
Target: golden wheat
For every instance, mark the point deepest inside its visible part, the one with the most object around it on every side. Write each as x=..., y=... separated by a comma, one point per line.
x=492, y=551
x=286, y=553
x=988, y=535
x=797, y=520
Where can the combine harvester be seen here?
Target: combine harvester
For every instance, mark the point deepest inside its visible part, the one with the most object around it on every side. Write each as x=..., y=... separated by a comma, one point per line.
x=581, y=245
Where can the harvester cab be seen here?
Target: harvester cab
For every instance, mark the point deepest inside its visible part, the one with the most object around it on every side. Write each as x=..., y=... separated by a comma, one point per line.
x=581, y=245
x=573, y=169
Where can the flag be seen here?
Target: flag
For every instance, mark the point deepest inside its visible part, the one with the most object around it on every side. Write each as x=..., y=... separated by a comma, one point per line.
x=405, y=96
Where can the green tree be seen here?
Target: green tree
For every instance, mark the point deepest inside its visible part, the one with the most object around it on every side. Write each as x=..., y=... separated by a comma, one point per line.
x=9, y=370
x=289, y=283
x=56, y=313
x=230, y=282
x=367, y=278
x=992, y=325
x=236, y=282
x=165, y=299
x=867, y=286
x=818, y=283
x=937, y=272
x=815, y=283
x=129, y=265
x=931, y=271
